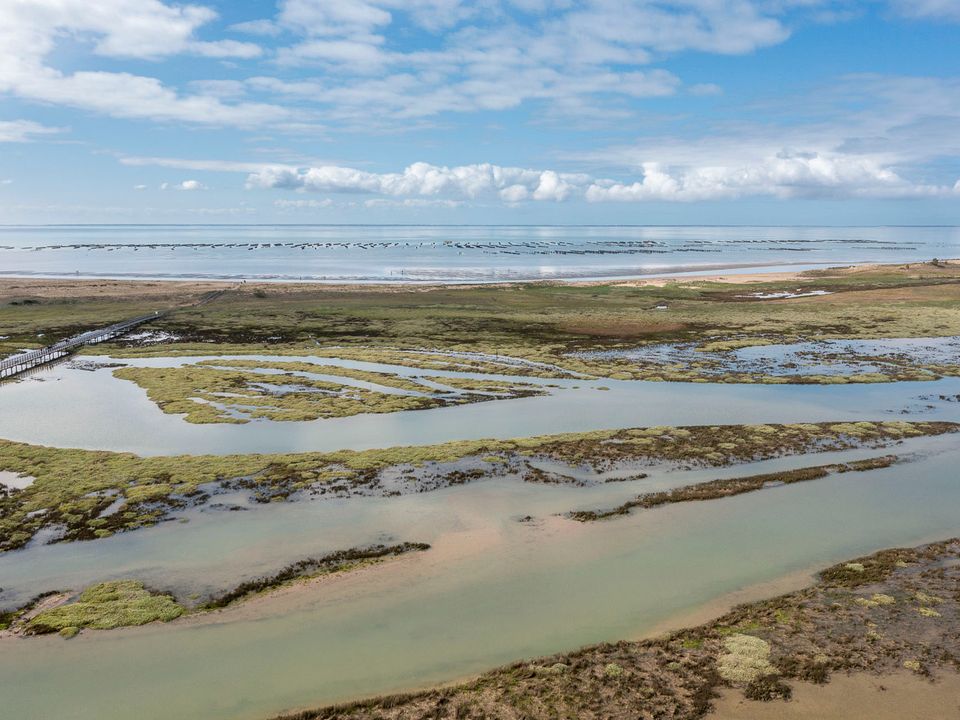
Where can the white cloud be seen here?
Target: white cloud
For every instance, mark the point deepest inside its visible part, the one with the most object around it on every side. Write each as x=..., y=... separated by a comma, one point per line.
x=784, y=175
x=928, y=9
x=204, y=165
x=143, y=29
x=569, y=55
x=862, y=135
x=185, y=185
x=6, y=181
x=422, y=179
x=257, y=27
x=705, y=89
x=226, y=49
x=222, y=89
x=24, y=130
x=781, y=176
x=303, y=204
x=412, y=203
x=139, y=187
x=514, y=194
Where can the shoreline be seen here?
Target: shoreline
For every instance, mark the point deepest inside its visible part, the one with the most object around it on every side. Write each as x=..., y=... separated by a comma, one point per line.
x=66, y=286
x=726, y=273
x=883, y=617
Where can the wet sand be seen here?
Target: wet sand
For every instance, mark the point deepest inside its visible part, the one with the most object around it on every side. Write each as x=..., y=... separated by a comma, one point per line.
x=896, y=696
x=12, y=287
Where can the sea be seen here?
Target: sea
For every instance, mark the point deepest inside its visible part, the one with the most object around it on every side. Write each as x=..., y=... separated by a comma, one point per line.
x=449, y=254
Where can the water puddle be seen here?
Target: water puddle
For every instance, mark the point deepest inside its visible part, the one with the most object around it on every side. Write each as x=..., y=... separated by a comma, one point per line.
x=15, y=481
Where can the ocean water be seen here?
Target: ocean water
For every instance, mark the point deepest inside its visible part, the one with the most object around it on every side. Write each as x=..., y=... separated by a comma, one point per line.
x=378, y=253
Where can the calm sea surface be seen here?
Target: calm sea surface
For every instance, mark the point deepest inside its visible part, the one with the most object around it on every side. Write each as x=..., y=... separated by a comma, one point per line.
x=446, y=253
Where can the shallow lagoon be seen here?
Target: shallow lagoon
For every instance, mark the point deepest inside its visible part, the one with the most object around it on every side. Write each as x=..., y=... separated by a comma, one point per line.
x=490, y=591
x=68, y=407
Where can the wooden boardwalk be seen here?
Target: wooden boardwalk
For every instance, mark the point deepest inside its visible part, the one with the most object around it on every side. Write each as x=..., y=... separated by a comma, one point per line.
x=24, y=361
x=21, y=362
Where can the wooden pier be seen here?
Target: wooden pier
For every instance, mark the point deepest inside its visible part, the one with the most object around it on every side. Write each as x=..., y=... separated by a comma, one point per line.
x=21, y=362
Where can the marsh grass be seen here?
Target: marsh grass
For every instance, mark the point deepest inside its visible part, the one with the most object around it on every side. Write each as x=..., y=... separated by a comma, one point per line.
x=232, y=391
x=73, y=487
x=341, y=561
x=716, y=489
x=678, y=676
x=118, y=603
x=549, y=323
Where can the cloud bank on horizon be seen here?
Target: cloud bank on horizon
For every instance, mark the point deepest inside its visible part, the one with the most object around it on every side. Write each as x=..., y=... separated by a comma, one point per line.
x=436, y=110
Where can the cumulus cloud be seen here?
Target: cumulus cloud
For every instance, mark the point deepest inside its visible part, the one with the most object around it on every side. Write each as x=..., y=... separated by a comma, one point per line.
x=422, y=179
x=784, y=175
x=141, y=29
x=24, y=130
x=781, y=176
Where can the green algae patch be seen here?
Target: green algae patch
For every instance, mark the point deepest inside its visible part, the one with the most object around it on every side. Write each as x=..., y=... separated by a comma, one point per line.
x=119, y=603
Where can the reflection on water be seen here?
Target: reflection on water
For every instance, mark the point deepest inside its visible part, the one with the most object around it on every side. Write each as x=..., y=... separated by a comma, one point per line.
x=491, y=590
x=66, y=407
x=820, y=357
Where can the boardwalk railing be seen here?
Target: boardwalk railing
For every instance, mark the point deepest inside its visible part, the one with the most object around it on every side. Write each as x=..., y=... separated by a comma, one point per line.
x=24, y=361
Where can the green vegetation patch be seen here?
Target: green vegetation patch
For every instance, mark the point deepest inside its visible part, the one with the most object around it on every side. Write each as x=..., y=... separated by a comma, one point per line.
x=551, y=324
x=716, y=489
x=118, y=603
x=338, y=562
x=232, y=391
x=72, y=488
x=211, y=395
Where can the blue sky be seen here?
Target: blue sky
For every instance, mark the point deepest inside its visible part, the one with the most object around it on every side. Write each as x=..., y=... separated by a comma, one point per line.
x=494, y=111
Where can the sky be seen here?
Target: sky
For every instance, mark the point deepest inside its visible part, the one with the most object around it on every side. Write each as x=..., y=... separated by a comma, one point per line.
x=689, y=112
